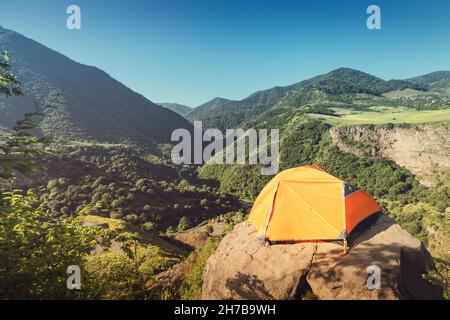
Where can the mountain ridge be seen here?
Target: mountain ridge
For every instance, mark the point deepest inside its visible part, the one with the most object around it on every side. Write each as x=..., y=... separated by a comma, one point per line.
x=90, y=103
x=181, y=109
x=440, y=73
x=335, y=86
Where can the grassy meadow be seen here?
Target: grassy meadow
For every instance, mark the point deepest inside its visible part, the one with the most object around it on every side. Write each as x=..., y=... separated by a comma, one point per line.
x=384, y=115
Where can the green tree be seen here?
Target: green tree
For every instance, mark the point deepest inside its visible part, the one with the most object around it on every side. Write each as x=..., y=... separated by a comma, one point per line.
x=9, y=85
x=183, y=224
x=204, y=203
x=149, y=226
x=17, y=145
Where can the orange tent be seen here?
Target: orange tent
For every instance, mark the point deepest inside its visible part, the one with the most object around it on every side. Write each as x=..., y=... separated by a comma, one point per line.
x=307, y=203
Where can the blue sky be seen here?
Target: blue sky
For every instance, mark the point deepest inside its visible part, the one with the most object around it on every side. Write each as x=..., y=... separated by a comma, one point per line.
x=191, y=51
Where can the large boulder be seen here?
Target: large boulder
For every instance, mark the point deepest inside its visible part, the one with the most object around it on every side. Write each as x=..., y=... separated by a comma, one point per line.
x=244, y=268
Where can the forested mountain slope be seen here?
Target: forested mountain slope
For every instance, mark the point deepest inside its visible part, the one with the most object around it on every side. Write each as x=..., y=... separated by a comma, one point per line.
x=342, y=88
x=89, y=103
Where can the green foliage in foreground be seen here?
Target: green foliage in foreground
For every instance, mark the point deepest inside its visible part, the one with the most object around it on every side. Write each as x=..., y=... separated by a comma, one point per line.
x=118, y=276
x=36, y=248
x=13, y=146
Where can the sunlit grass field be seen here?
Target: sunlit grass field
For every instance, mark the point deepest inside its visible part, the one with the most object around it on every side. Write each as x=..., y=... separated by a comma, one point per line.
x=384, y=115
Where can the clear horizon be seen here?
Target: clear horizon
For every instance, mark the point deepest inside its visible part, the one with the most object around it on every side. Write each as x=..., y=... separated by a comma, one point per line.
x=189, y=53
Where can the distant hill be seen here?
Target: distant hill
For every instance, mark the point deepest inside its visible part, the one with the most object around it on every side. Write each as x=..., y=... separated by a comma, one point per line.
x=223, y=113
x=434, y=80
x=209, y=112
x=431, y=79
x=346, y=80
x=175, y=107
x=90, y=105
x=344, y=87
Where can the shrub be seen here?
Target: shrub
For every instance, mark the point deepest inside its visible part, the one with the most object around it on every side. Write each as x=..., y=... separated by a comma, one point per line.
x=204, y=203
x=112, y=276
x=191, y=285
x=132, y=218
x=183, y=224
x=149, y=226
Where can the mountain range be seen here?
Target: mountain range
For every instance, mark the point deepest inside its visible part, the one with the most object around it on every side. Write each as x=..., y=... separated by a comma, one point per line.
x=89, y=104
x=176, y=107
x=343, y=87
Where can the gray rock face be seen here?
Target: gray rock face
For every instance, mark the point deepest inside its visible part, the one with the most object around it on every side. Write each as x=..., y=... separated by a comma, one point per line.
x=243, y=268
